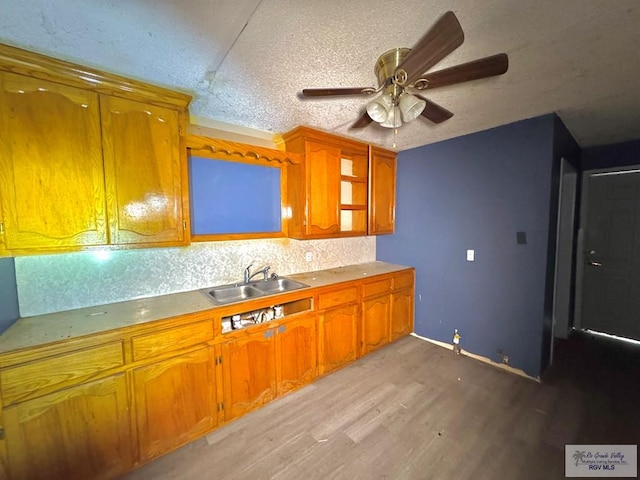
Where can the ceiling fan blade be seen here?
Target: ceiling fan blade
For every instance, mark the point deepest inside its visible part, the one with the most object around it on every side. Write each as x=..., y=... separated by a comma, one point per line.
x=481, y=68
x=325, y=92
x=363, y=121
x=440, y=40
x=434, y=112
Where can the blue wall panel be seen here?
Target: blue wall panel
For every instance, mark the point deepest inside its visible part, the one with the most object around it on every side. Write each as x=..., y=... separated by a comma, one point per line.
x=608, y=156
x=230, y=197
x=8, y=294
x=476, y=192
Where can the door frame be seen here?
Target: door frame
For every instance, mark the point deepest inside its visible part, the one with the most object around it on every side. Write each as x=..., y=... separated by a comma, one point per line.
x=565, y=251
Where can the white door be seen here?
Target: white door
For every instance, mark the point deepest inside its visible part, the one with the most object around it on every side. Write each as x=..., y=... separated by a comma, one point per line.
x=610, y=260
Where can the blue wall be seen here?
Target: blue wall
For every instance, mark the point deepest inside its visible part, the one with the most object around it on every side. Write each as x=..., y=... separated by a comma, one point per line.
x=8, y=294
x=606, y=156
x=476, y=192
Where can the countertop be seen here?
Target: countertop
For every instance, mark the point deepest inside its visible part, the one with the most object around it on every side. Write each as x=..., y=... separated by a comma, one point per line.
x=54, y=327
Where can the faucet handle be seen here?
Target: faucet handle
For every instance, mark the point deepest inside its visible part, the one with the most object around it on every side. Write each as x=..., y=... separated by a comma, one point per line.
x=247, y=272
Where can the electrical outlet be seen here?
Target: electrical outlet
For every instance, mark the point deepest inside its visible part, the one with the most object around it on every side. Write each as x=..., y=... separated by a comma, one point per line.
x=471, y=255
x=503, y=356
x=308, y=256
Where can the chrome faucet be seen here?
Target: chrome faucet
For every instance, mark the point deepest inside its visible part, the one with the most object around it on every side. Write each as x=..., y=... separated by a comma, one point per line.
x=248, y=275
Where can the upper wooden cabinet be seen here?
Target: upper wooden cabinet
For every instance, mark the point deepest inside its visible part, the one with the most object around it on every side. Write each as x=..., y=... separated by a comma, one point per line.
x=51, y=184
x=327, y=192
x=88, y=158
x=341, y=189
x=144, y=167
x=382, y=191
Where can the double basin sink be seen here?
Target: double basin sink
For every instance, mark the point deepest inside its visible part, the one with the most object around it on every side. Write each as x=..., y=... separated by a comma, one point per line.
x=237, y=292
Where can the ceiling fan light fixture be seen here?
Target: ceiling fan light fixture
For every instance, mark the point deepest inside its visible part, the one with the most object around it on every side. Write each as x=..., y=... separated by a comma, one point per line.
x=379, y=108
x=411, y=106
x=393, y=119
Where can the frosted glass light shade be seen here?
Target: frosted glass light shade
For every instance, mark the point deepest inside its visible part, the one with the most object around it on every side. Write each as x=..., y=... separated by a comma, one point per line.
x=411, y=107
x=393, y=119
x=378, y=108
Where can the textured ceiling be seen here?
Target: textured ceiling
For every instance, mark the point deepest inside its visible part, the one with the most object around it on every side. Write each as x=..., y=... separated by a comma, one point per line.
x=244, y=61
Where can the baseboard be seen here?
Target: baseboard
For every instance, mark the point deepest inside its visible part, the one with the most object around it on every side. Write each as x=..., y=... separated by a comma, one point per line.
x=487, y=360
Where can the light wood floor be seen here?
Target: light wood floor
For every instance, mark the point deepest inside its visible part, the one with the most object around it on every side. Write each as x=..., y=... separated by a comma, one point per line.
x=413, y=410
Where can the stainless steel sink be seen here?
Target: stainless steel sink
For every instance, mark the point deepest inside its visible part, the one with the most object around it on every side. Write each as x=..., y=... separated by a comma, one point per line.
x=278, y=285
x=233, y=293
x=238, y=292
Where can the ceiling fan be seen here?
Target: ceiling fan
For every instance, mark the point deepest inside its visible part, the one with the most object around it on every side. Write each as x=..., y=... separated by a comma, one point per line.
x=402, y=76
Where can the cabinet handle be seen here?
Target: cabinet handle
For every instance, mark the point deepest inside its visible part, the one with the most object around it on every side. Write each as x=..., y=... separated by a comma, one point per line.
x=1, y=228
x=268, y=333
x=282, y=328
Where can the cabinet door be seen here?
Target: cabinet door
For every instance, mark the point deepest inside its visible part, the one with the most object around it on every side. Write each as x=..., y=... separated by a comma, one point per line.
x=382, y=191
x=337, y=343
x=296, y=353
x=78, y=433
x=401, y=313
x=175, y=401
x=249, y=370
x=51, y=174
x=375, y=323
x=323, y=180
x=143, y=167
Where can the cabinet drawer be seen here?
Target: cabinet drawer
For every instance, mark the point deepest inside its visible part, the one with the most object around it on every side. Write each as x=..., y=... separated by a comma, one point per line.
x=376, y=288
x=337, y=297
x=403, y=280
x=43, y=376
x=152, y=344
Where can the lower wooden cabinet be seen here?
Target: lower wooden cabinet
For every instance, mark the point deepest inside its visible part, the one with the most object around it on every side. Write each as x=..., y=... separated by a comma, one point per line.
x=337, y=337
x=263, y=364
x=249, y=372
x=82, y=432
x=296, y=354
x=402, y=304
x=401, y=313
x=375, y=322
x=93, y=408
x=175, y=401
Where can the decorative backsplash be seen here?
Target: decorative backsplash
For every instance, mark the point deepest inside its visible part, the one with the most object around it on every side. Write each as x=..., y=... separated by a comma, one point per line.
x=54, y=283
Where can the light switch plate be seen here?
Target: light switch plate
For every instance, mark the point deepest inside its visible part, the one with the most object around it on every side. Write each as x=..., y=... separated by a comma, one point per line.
x=471, y=255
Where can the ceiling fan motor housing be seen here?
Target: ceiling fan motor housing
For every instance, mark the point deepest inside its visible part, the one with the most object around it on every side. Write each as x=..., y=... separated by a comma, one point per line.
x=388, y=62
